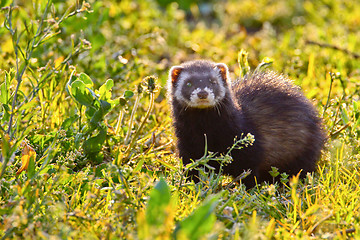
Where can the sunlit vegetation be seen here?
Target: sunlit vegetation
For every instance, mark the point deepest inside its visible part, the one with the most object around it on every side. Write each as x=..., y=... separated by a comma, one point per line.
x=87, y=148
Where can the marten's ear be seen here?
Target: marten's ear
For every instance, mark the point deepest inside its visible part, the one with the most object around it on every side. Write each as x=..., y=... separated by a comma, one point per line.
x=175, y=73
x=224, y=71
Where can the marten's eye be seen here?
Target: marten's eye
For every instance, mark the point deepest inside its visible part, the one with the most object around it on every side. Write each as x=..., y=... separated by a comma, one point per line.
x=188, y=84
x=212, y=81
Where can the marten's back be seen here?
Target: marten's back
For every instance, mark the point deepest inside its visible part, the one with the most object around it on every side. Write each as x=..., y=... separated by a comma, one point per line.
x=292, y=133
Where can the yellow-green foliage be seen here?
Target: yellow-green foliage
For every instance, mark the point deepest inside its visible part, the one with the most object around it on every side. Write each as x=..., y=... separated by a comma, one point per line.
x=99, y=158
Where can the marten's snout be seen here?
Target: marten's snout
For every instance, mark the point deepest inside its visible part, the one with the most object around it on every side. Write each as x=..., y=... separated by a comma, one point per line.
x=202, y=94
x=202, y=98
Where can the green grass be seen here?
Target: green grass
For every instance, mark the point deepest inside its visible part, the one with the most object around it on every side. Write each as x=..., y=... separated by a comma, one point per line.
x=78, y=106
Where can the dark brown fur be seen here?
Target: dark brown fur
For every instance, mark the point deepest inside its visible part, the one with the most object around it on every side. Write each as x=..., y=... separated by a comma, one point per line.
x=292, y=134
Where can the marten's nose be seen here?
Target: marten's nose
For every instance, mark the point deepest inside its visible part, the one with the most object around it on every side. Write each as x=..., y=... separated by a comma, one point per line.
x=202, y=94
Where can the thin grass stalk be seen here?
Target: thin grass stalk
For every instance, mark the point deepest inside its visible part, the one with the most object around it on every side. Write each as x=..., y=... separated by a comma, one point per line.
x=136, y=104
x=118, y=124
x=332, y=77
x=134, y=138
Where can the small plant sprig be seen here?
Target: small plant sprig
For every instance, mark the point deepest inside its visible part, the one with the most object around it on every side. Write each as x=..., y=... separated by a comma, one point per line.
x=243, y=141
x=98, y=104
x=149, y=83
x=244, y=64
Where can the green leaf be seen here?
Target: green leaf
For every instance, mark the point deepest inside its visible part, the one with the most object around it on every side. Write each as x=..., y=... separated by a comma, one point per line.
x=105, y=106
x=28, y=105
x=139, y=165
x=99, y=114
x=159, y=200
x=4, y=94
x=4, y=3
x=31, y=167
x=128, y=94
x=81, y=94
x=105, y=90
x=42, y=139
x=90, y=111
x=356, y=106
x=344, y=116
x=5, y=145
x=356, y=123
x=6, y=112
x=114, y=102
x=94, y=144
x=200, y=222
x=86, y=80
x=69, y=121
x=97, y=117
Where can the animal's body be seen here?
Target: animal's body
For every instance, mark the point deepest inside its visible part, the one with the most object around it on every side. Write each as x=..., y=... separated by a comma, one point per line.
x=288, y=132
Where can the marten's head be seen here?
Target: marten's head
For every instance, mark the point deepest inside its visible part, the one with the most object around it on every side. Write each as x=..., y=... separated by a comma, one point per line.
x=199, y=84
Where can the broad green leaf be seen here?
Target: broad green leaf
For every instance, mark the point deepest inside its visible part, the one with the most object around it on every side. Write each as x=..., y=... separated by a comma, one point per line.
x=128, y=94
x=47, y=169
x=101, y=112
x=94, y=144
x=90, y=111
x=200, y=222
x=158, y=202
x=86, y=80
x=105, y=90
x=4, y=3
x=105, y=106
x=97, y=117
x=69, y=121
x=81, y=93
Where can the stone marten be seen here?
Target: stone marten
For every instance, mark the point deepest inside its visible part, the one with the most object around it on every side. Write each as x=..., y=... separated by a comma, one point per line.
x=288, y=132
